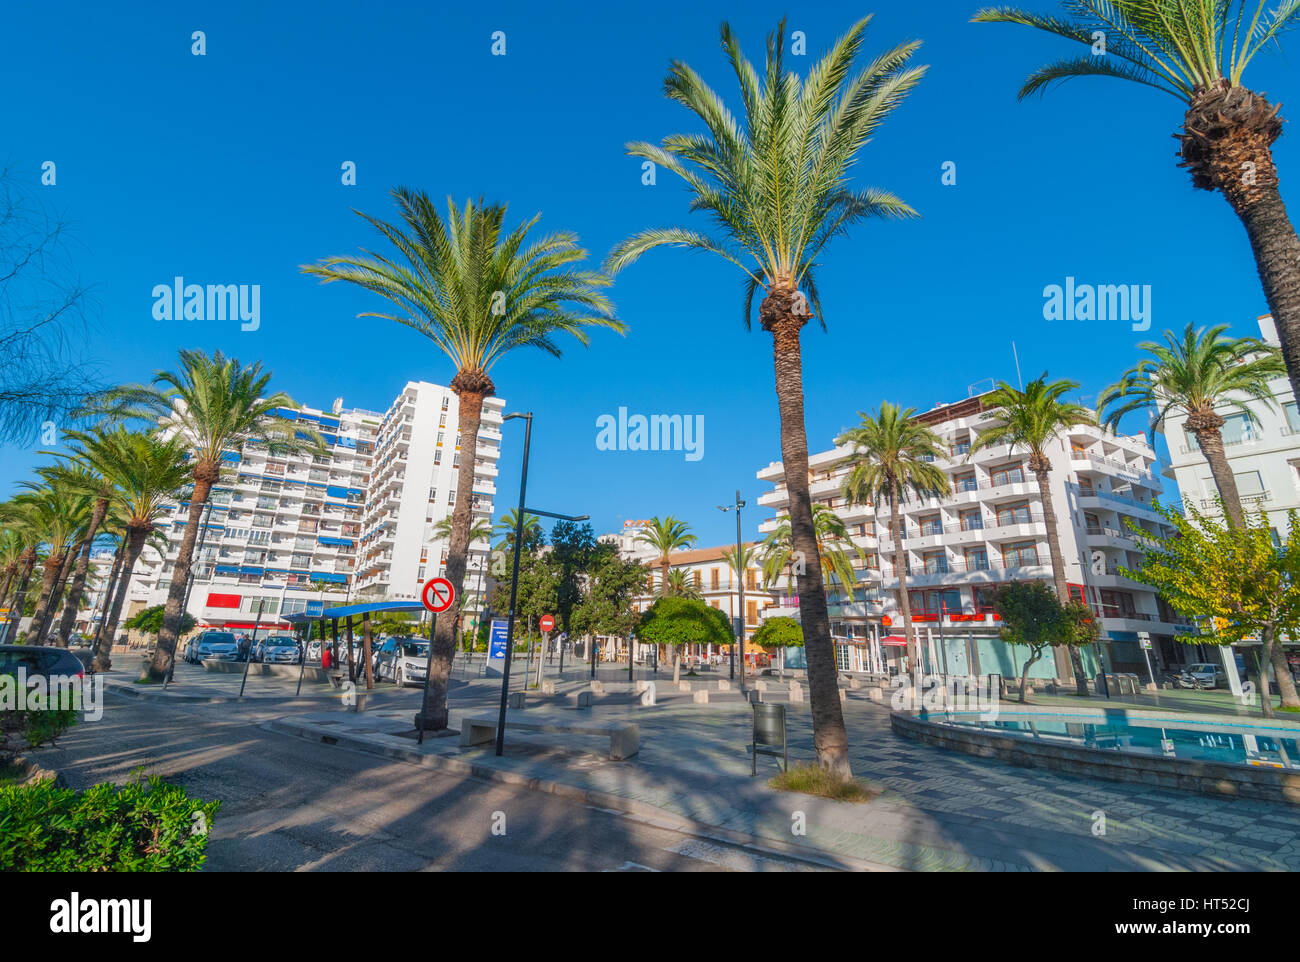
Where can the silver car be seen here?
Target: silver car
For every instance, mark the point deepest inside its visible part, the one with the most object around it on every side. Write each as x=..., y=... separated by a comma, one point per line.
x=1208, y=675
x=217, y=645
x=277, y=650
x=404, y=660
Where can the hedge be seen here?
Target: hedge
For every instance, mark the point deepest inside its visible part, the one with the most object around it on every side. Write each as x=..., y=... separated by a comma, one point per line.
x=138, y=827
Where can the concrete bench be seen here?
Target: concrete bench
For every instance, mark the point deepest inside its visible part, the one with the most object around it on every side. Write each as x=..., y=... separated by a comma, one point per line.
x=624, y=739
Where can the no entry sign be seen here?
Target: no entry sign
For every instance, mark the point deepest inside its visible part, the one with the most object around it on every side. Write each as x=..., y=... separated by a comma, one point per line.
x=438, y=594
x=547, y=622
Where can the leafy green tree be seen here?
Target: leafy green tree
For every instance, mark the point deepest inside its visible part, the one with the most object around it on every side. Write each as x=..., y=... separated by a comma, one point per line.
x=779, y=632
x=573, y=546
x=478, y=292
x=675, y=622
x=892, y=454
x=775, y=183
x=150, y=620
x=612, y=583
x=1198, y=51
x=1030, y=419
x=1202, y=371
x=1234, y=579
x=1033, y=616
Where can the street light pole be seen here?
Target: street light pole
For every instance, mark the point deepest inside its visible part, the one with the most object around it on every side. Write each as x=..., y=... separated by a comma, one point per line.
x=740, y=592
x=514, y=581
x=189, y=585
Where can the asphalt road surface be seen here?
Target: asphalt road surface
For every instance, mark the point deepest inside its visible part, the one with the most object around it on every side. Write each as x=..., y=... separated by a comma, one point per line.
x=288, y=804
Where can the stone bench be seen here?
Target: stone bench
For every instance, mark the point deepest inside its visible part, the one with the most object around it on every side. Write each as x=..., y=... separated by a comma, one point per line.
x=624, y=739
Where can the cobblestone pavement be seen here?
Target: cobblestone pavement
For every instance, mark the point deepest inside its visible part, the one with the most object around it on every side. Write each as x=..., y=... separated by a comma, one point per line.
x=938, y=809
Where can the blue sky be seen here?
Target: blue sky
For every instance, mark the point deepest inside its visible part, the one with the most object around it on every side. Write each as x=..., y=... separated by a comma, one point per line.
x=225, y=168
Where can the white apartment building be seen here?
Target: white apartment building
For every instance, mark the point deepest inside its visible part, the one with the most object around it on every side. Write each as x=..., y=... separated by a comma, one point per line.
x=280, y=530
x=989, y=531
x=1263, y=450
x=413, y=487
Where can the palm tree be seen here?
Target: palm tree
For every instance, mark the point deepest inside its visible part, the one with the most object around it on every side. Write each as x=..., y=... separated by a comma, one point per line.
x=1198, y=50
x=1031, y=418
x=56, y=515
x=891, y=454
x=213, y=404
x=1202, y=371
x=665, y=535
x=17, y=517
x=11, y=552
x=477, y=292
x=146, y=472
x=506, y=529
x=679, y=585
x=80, y=475
x=775, y=183
x=835, y=551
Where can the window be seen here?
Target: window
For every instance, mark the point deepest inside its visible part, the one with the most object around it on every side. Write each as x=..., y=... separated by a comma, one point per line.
x=1014, y=513
x=751, y=612
x=751, y=583
x=1237, y=428
x=714, y=579
x=440, y=437
x=1007, y=474
x=936, y=563
x=930, y=524
x=1077, y=451
x=964, y=481
x=437, y=456
x=977, y=559
x=698, y=579
x=971, y=520
x=1085, y=486
x=1292, y=417
x=959, y=448
x=1249, y=483
x=1020, y=555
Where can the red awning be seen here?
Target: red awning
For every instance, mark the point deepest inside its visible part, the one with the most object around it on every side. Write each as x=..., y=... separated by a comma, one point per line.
x=894, y=641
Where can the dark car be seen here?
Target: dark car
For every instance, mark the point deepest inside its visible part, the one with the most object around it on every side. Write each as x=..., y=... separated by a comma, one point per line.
x=39, y=660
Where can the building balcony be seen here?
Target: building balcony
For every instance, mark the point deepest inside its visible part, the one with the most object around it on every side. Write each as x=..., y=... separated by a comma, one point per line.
x=959, y=572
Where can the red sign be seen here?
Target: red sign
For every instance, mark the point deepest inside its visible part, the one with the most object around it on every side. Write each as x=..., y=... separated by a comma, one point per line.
x=438, y=594
x=886, y=621
x=547, y=622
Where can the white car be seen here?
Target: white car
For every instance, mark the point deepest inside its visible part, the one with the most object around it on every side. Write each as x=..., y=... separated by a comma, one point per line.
x=404, y=660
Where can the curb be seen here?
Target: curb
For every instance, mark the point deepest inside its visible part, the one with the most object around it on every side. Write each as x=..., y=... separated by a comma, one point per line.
x=156, y=693
x=605, y=801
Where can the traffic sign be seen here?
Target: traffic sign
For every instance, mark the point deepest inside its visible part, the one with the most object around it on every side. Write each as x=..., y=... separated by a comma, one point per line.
x=438, y=594
x=547, y=622
x=886, y=621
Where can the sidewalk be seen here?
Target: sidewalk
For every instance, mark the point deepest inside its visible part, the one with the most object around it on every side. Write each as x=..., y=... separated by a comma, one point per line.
x=939, y=810
x=195, y=685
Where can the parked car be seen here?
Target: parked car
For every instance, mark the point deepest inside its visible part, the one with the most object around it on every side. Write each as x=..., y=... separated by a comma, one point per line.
x=40, y=660
x=218, y=645
x=1207, y=675
x=404, y=660
x=278, y=650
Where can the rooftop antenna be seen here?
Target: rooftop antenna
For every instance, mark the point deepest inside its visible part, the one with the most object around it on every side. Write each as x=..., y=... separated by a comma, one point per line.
x=1019, y=379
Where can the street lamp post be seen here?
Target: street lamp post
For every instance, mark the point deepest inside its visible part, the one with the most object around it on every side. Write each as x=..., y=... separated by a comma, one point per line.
x=514, y=581
x=740, y=591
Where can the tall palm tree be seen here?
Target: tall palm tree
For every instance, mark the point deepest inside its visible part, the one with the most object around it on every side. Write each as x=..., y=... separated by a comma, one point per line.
x=1198, y=51
x=11, y=552
x=835, y=552
x=775, y=183
x=477, y=291
x=892, y=454
x=1031, y=418
x=213, y=404
x=18, y=517
x=1196, y=374
x=665, y=535
x=146, y=472
x=57, y=515
x=79, y=475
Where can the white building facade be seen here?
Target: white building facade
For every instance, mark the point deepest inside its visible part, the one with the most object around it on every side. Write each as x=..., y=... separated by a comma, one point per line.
x=989, y=531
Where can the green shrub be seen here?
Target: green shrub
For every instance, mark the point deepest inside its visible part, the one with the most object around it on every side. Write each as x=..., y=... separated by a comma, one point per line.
x=37, y=726
x=138, y=827
x=812, y=779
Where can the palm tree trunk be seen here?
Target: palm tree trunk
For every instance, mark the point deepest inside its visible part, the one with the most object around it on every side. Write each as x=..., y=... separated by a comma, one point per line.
x=165, y=651
x=904, y=600
x=20, y=595
x=433, y=713
x=79, y=575
x=830, y=738
x=104, y=645
x=60, y=585
x=109, y=587
x=1039, y=464
x=1211, y=442
x=1277, y=257
x=10, y=572
x=49, y=574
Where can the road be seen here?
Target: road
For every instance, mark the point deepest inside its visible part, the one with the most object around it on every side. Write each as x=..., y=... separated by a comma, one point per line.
x=289, y=804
